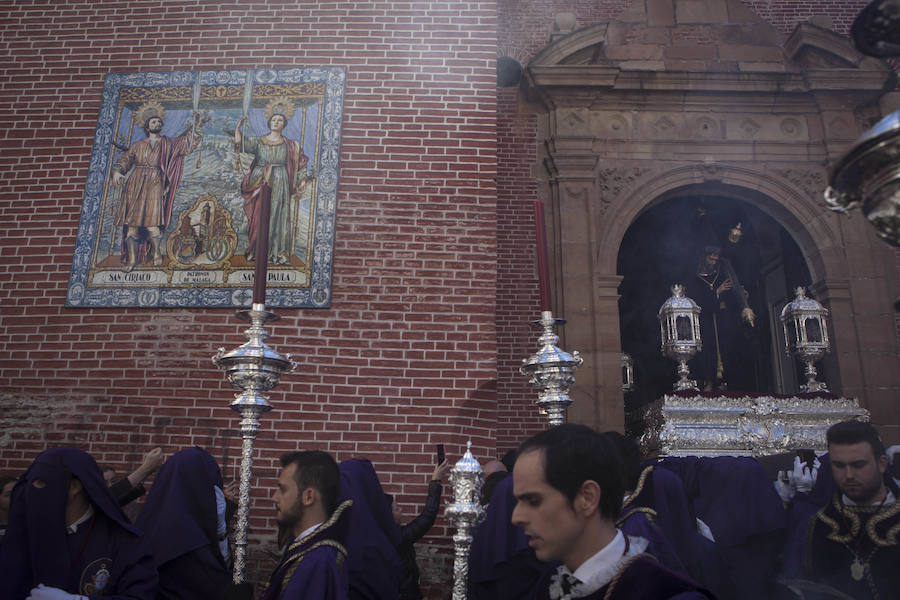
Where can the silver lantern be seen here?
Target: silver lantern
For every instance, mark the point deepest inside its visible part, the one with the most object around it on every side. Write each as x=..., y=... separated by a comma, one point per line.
x=627, y=372
x=552, y=370
x=679, y=328
x=868, y=176
x=466, y=512
x=806, y=335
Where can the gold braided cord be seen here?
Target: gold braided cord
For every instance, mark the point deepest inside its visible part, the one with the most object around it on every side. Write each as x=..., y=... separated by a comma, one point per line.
x=890, y=537
x=342, y=551
x=624, y=567
x=651, y=514
x=295, y=561
x=642, y=480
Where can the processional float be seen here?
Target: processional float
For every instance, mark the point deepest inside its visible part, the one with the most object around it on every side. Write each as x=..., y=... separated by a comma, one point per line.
x=690, y=422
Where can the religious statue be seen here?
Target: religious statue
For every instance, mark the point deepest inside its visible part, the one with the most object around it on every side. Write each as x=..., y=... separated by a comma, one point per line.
x=715, y=287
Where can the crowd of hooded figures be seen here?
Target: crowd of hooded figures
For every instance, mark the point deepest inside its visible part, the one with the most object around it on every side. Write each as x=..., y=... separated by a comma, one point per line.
x=573, y=513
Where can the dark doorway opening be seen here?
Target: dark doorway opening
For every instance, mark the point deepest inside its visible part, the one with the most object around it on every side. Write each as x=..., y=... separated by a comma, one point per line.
x=665, y=245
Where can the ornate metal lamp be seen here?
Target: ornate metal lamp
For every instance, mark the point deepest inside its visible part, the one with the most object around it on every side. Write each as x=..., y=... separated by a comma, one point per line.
x=806, y=335
x=627, y=372
x=552, y=370
x=254, y=368
x=876, y=30
x=679, y=327
x=466, y=477
x=868, y=176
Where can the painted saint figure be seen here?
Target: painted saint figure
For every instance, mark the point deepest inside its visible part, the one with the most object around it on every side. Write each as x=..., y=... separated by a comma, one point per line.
x=277, y=173
x=154, y=166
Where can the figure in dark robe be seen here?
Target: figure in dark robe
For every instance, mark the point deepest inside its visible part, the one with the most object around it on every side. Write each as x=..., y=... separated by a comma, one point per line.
x=412, y=532
x=736, y=499
x=638, y=519
x=374, y=566
x=501, y=565
x=67, y=534
x=723, y=308
x=801, y=508
x=185, y=529
x=854, y=549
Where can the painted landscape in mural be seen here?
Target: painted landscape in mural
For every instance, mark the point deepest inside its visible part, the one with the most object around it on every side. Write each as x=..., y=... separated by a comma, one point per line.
x=180, y=166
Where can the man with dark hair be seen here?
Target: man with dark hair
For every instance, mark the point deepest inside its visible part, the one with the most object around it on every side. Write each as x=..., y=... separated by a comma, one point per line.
x=306, y=501
x=851, y=543
x=569, y=488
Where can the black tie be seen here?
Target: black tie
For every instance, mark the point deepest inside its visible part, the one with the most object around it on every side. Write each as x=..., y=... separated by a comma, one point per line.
x=568, y=582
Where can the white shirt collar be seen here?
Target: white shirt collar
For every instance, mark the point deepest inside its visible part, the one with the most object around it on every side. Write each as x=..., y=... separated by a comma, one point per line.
x=599, y=569
x=306, y=532
x=888, y=500
x=87, y=515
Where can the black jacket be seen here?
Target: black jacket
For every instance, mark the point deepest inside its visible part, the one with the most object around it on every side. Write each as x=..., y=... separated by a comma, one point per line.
x=409, y=535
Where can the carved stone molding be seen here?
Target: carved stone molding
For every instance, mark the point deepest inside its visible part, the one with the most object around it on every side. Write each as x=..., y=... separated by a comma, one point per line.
x=811, y=181
x=611, y=182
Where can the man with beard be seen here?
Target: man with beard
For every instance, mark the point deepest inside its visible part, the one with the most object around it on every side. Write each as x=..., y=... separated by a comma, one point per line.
x=569, y=486
x=851, y=544
x=68, y=539
x=155, y=163
x=313, y=566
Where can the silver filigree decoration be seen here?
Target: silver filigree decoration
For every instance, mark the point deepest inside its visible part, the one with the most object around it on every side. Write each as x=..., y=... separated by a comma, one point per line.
x=701, y=425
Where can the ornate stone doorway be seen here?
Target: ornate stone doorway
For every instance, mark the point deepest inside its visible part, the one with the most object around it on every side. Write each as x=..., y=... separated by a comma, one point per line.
x=638, y=112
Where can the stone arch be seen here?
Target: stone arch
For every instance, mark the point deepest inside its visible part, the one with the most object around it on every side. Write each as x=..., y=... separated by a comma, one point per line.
x=809, y=223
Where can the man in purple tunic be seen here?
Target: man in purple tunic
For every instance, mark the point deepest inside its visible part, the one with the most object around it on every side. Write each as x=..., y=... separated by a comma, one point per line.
x=313, y=566
x=68, y=539
x=569, y=488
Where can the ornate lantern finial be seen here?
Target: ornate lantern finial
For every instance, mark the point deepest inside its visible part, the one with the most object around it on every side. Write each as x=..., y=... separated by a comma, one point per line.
x=466, y=477
x=867, y=176
x=679, y=327
x=627, y=372
x=552, y=370
x=806, y=335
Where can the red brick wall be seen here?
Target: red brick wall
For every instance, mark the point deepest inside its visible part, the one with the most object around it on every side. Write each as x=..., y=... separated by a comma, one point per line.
x=406, y=355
